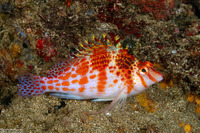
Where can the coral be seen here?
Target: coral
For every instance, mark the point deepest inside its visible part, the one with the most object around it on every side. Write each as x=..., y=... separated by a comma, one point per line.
x=194, y=29
x=155, y=8
x=68, y=3
x=109, y=15
x=115, y=5
x=45, y=48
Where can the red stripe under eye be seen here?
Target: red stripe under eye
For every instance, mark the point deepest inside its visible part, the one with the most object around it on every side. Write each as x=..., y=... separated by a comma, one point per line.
x=142, y=80
x=151, y=78
x=156, y=72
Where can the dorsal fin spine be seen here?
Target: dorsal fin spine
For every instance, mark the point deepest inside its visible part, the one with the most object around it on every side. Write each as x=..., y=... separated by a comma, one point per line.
x=119, y=45
x=88, y=47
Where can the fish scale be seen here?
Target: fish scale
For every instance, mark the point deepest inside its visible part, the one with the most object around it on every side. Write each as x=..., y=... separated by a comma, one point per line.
x=102, y=71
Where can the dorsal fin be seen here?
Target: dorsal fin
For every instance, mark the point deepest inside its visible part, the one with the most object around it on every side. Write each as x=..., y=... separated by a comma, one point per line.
x=104, y=42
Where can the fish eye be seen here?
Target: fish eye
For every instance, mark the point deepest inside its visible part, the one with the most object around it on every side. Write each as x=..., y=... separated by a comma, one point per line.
x=143, y=70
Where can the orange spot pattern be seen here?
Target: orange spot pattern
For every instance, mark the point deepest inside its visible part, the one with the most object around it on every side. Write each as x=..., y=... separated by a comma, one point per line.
x=74, y=75
x=50, y=82
x=65, y=77
x=83, y=68
x=124, y=60
x=42, y=81
x=101, y=86
x=50, y=87
x=115, y=81
x=110, y=85
x=67, y=69
x=77, y=63
x=55, y=81
x=93, y=76
x=58, y=84
x=100, y=59
x=101, y=81
x=81, y=89
x=130, y=86
x=65, y=89
x=44, y=87
x=83, y=80
x=73, y=89
x=74, y=81
x=125, y=63
x=65, y=83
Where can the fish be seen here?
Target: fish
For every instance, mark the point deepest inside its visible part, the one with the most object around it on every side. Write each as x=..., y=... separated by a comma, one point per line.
x=102, y=70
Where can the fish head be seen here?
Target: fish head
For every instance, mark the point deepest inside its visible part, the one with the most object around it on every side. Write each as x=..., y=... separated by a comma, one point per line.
x=145, y=75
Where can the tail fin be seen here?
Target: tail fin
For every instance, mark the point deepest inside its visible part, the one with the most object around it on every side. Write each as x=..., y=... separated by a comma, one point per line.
x=30, y=85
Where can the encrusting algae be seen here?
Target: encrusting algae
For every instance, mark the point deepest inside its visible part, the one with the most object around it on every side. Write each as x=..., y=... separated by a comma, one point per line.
x=145, y=102
x=187, y=127
x=195, y=99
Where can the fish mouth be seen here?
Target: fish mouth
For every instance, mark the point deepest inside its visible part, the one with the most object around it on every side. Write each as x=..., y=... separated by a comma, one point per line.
x=157, y=75
x=160, y=78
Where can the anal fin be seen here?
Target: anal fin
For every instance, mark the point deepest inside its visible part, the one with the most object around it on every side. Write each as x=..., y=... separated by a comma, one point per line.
x=66, y=96
x=100, y=100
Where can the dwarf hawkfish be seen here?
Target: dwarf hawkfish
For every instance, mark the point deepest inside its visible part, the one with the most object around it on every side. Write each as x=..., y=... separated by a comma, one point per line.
x=101, y=71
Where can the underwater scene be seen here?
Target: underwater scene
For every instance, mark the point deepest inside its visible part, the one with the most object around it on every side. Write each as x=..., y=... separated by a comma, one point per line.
x=100, y=66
